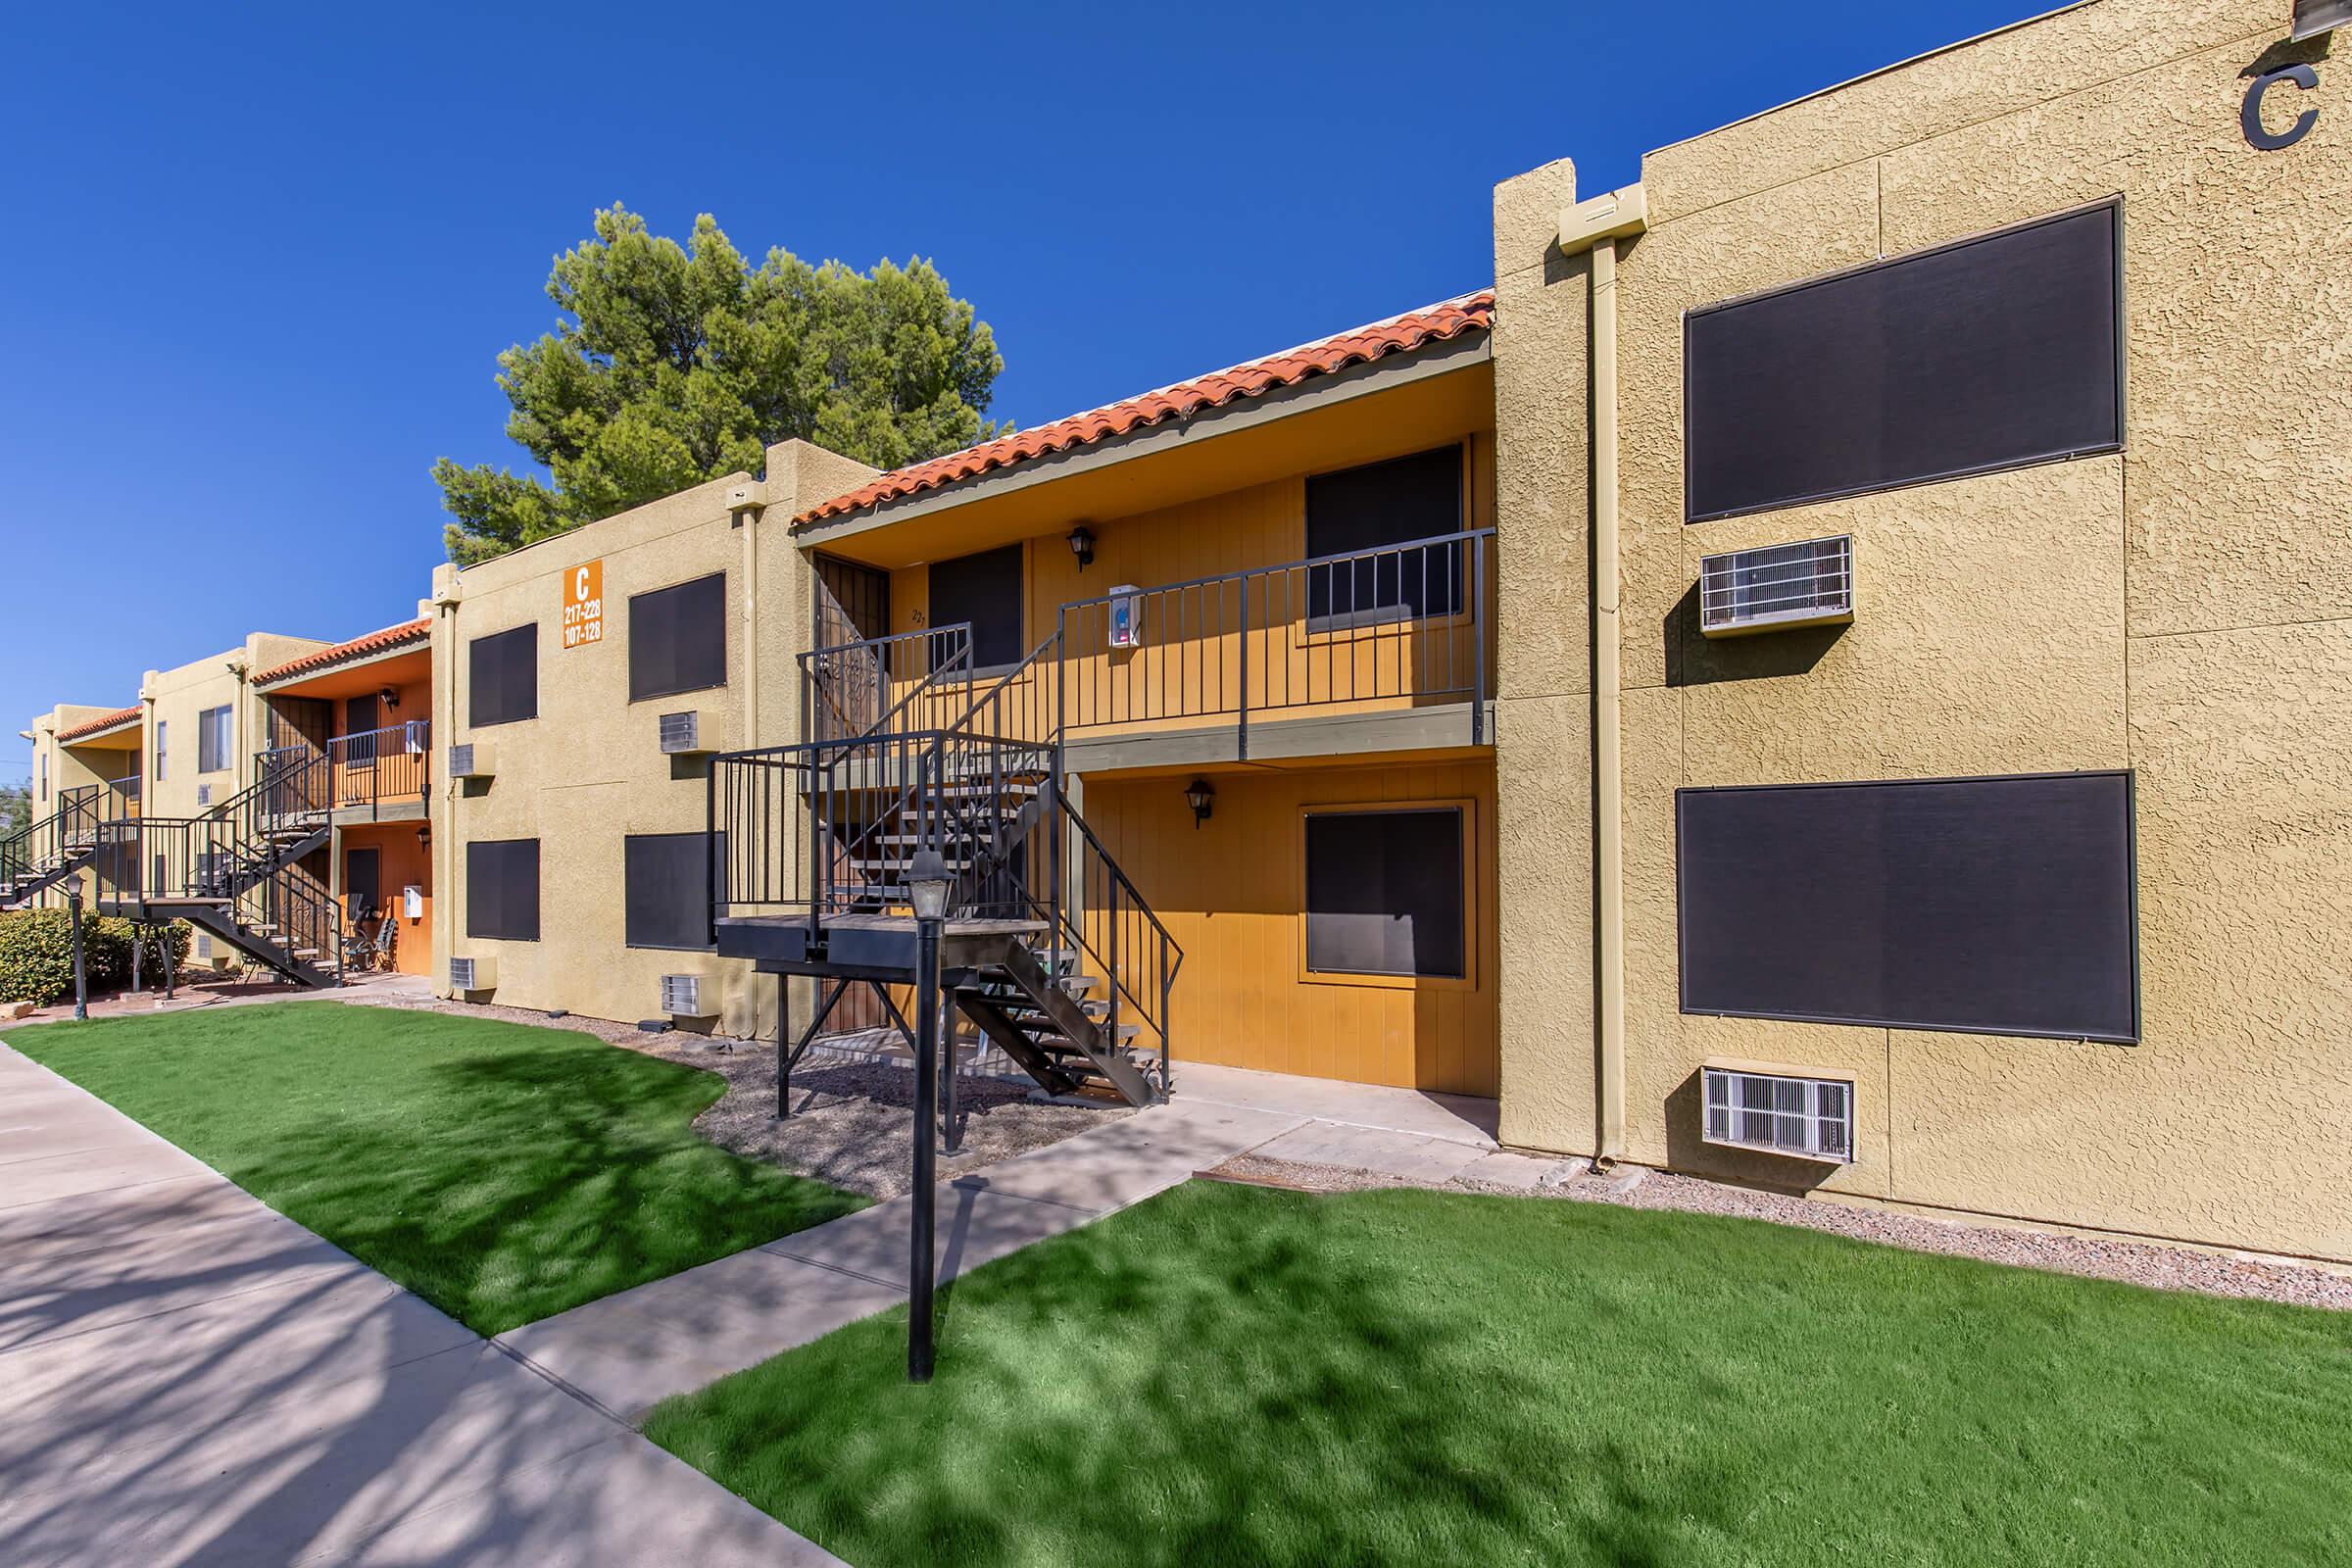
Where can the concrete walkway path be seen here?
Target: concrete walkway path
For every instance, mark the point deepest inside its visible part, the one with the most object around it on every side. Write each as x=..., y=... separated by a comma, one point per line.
x=187, y=1377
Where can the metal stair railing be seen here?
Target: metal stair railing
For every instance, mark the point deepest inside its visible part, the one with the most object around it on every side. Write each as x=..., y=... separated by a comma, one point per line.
x=44, y=847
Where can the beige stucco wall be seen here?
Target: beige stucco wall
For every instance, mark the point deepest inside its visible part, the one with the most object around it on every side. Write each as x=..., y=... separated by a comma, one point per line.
x=587, y=772
x=173, y=697
x=2184, y=608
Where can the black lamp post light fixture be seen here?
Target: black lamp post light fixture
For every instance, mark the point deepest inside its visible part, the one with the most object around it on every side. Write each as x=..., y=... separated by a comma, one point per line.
x=927, y=885
x=1082, y=545
x=1200, y=796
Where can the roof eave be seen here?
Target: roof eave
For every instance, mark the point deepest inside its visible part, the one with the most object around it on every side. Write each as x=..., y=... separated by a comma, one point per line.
x=1463, y=351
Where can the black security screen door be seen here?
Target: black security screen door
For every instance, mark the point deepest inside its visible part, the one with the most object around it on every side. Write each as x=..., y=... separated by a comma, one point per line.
x=1988, y=353
x=1987, y=906
x=986, y=590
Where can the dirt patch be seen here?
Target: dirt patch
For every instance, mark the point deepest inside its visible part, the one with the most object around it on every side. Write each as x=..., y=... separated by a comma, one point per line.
x=853, y=1121
x=2171, y=1269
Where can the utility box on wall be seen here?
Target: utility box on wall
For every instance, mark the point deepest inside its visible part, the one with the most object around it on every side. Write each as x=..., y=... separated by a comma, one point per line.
x=1126, y=617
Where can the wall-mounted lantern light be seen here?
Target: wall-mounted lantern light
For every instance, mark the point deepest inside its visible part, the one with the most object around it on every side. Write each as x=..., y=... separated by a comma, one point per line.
x=1082, y=545
x=389, y=697
x=1199, y=796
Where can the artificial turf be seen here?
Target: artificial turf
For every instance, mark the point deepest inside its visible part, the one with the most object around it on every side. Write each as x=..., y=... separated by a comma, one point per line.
x=503, y=1172
x=1236, y=1376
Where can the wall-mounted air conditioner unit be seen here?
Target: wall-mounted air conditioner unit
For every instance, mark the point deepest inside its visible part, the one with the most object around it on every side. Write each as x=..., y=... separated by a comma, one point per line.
x=685, y=734
x=203, y=795
x=473, y=975
x=473, y=759
x=682, y=996
x=1780, y=1114
x=1778, y=587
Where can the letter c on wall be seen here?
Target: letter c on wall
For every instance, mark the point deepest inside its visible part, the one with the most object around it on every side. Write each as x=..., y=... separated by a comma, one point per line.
x=2250, y=117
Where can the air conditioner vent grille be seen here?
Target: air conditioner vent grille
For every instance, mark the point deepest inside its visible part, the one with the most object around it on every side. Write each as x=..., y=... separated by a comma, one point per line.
x=461, y=975
x=680, y=733
x=461, y=759
x=682, y=996
x=1806, y=584
x=1811, y=1118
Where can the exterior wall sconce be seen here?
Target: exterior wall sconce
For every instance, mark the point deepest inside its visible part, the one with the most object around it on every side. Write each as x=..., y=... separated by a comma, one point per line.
x=1082, y=545
x=389, y=697
x=424, y=837
x=1199, y=796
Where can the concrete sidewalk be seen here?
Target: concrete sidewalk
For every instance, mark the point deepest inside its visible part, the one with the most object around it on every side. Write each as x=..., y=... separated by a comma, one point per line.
x=187, y=1377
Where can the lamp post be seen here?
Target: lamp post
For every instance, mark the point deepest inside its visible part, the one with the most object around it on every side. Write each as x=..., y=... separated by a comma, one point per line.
x=927, y=885
x=81, y=978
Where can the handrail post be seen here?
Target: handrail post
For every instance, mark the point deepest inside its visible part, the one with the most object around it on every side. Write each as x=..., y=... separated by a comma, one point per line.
x=1242, y=741
x=1477, y=632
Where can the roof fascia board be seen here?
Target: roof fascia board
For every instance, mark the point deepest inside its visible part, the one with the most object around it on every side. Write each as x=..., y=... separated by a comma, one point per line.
x=414, y=645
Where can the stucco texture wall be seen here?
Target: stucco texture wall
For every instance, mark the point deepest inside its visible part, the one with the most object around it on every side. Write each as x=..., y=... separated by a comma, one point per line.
x=587, y=772
x=2179, y=608
x=1544, y=670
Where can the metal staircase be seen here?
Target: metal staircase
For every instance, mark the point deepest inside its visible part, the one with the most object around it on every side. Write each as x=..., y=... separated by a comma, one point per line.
x=37, y=856
x=237, y=871
x=1049, y=951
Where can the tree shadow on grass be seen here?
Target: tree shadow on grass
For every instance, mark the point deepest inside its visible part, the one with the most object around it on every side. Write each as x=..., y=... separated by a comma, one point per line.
x=1096, y=1403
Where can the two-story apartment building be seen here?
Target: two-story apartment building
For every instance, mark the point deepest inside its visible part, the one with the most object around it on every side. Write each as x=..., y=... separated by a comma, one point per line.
x=1833, y=674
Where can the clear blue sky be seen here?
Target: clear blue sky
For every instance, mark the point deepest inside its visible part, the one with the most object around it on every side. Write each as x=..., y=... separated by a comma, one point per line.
x=257, y=260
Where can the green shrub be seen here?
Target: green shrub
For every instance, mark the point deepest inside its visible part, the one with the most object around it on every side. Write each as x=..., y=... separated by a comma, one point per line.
x=36, y=954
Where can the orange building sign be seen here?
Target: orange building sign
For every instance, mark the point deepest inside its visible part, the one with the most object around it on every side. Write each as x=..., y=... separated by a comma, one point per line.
x=585, y=604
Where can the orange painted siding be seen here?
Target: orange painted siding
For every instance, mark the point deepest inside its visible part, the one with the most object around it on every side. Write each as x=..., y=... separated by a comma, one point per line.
x=1200, y=660
x=403, y=862
x=1231, y=892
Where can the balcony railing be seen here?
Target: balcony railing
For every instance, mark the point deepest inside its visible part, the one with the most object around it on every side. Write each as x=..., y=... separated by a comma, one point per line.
x=1394, y=627
x=380, y=767
x=1402, y=625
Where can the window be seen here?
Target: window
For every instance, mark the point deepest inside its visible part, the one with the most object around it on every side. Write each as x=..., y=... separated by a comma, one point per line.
x=1989, y=353
x=212, y=742
x=502, y=674
x=502, y=889
x=667, y=889
x=678, y=638
x=359, y=724
x=45, y=778
x=163, y=734
x=1985, y=905
x=1392, y=503
x=986, y=590
x=1385, y=893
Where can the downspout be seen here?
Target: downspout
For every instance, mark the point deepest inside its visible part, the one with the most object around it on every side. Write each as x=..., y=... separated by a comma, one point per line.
x=1600, y=223
x=746, y=504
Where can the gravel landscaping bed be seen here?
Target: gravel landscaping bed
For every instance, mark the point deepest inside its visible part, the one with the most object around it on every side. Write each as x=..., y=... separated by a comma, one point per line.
x=2172, y=1268
x=852, y=1119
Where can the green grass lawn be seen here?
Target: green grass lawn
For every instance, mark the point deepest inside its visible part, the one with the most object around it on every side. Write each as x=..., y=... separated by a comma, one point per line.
x=1237, y=1376
x=501, y=1171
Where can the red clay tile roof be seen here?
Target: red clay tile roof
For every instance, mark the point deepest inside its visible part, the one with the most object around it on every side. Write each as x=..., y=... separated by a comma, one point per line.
x=1398, y=335
x=375, y=642
x=99, y=726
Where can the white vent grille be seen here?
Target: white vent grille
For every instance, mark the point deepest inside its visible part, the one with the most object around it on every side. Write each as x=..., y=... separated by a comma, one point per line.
x=1811, y=1118
x=468, y=974
x=1807, y=584
x=680, y=733
x=204, y=946
x=682, y=996
x=204, y=795
x=461, y=761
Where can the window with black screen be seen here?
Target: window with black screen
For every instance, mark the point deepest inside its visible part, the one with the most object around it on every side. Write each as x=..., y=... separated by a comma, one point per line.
x=1385, y=893
x=678, y=638
x=502, y=889
x=502, y=674
x=1355, y=510
x=665, y=891
x=1986, y=906
x=1988, y=353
